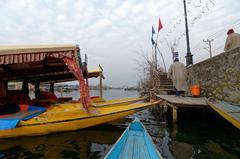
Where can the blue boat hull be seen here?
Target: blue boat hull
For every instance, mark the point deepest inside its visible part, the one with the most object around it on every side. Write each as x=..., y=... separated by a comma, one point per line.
x=135, y=143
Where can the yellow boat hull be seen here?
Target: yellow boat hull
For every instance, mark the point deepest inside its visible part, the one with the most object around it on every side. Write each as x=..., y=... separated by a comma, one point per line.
x=115, y=102
x=69, y=117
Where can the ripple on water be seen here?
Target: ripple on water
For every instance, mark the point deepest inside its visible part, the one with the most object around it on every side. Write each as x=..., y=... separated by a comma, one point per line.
x=188, y=139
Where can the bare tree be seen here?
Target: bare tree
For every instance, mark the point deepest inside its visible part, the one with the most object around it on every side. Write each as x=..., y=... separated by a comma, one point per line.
x=147, y=67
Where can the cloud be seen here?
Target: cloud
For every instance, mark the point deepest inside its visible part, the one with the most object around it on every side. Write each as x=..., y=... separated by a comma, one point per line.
x=111, y=32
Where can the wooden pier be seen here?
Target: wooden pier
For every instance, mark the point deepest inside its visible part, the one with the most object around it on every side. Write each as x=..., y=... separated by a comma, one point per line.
x=176, y=102
x=229, y=111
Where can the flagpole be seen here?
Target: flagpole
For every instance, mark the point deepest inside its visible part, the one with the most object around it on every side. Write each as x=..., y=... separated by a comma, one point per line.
x=156, y=67
x=153, y=73
x=156, y=51
x=162, y=59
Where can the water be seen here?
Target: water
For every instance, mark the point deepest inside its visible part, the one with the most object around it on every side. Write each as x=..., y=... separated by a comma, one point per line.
x=108, y=94
x=198, y=135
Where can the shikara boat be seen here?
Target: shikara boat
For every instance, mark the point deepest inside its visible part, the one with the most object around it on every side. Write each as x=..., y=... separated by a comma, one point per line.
x=50, y=64
x=135, y=143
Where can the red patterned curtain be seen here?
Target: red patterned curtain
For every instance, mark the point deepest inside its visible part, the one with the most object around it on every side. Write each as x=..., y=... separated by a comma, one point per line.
x=84, y=91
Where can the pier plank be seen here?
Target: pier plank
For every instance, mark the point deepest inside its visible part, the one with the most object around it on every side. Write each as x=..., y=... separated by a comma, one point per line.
x=229, y=111
x=176, y=102
x=184, y=101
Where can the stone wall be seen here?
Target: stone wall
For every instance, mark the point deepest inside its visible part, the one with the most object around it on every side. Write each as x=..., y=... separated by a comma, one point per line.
x=219, y=77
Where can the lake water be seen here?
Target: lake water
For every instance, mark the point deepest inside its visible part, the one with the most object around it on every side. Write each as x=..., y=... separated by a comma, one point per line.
x=198, y=135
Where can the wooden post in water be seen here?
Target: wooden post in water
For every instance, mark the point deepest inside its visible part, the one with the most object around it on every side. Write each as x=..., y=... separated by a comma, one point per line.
x=100, y=82
x=174, y=114
x=152, y=95
x=3, y=88
x=101, y=87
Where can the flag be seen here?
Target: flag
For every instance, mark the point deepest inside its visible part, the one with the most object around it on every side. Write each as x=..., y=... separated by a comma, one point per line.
x=159, y=25
x=153, y=42
x=153, y=32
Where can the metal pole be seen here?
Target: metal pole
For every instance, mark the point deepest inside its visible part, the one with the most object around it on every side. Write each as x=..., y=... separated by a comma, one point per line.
x=209, y=43
x=189, y=59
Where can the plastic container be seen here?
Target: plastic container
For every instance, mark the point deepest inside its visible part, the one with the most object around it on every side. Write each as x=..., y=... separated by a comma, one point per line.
x=195, y=90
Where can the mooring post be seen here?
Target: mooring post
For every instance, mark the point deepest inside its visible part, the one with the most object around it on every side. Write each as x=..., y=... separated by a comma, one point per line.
x=175, y=130
x=152, y=95
x=174, y=114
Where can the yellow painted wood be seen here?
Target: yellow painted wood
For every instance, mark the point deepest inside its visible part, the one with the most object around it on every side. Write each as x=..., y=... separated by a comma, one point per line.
x=69, y=117
x=224, y=114
x=94, y=73
x=116, y=102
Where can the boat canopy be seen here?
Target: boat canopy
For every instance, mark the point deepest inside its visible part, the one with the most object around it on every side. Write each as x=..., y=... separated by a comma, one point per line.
x=43, y=63
x=94, y=73
x=38, y=63
x=98, y=72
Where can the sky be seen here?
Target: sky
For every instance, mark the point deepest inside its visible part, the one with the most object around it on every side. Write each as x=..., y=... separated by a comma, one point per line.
x=117, y=33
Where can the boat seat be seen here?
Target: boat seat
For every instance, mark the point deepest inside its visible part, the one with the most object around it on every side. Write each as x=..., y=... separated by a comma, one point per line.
x=51, y=97
x=8, y=108
x=18, y=97
x=47, y=95
x=97, y=99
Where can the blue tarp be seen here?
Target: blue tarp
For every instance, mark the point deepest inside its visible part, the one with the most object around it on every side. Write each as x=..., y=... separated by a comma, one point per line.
x=11, y=121
x=6, y=124
x=1, y=155
x=34, y=108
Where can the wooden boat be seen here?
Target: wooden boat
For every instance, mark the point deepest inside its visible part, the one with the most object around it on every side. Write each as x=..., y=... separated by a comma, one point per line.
x=135, y=143
x=50, y=64
x=228, y=111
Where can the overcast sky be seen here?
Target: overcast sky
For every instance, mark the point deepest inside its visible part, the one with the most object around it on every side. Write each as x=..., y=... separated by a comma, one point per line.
x=115, y=33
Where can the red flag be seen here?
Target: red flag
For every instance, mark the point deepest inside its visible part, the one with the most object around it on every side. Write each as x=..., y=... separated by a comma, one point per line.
x=159, y=25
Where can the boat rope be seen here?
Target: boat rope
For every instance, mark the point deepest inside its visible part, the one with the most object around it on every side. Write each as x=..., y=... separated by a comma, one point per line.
x=84, y=91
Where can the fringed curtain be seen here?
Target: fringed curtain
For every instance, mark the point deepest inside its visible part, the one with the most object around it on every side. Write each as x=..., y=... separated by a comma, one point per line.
x=32, y=57
x=84, y=91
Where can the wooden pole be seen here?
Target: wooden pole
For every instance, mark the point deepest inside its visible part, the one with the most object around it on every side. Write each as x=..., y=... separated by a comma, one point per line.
x=174, y=114
x=101, y=78
x=51, y=87
x=162, y=59
x=3, y=88
x=37, y=90
x=101, y=88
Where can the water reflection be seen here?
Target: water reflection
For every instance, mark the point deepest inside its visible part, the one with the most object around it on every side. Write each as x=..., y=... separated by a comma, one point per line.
x=198, y=135
x=88, y=143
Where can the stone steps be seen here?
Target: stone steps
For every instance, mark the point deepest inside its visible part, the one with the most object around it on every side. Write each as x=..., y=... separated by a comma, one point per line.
x=166, y=85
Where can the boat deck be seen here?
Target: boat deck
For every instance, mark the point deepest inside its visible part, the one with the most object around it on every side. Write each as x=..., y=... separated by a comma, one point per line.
x=228, y=111
x=118, y=102
x=135, y=143
x=136, y=147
